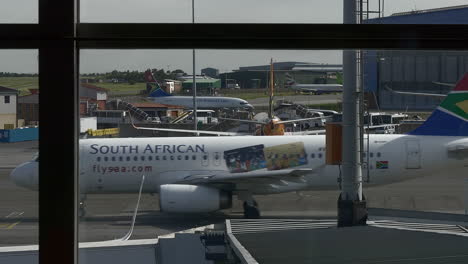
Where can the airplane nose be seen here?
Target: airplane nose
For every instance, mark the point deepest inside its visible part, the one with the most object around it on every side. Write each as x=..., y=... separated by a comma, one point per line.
x=25, y=175
x=249, y=106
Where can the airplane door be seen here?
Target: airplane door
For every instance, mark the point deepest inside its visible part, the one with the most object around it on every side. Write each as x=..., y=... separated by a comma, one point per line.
x=205, y=159
x=413, y=154
x=216, y=159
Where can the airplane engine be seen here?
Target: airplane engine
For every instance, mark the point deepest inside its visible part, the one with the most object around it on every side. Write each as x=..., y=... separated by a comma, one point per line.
x=184, y=198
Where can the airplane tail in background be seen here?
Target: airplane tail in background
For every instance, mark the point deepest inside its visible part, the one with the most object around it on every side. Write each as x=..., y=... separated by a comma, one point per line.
x=152, y=86
x=450, y=118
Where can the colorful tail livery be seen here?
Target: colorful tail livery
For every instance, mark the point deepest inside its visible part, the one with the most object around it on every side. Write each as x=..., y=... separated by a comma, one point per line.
x=450, y=118
x=155, y=91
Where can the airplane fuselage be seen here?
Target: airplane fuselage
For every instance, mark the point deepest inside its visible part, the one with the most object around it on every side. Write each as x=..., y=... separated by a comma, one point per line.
x=117, y=165
x=203, y=102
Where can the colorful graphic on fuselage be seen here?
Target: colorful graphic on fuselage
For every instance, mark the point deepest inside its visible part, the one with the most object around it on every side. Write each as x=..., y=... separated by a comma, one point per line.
x=258, y=157
x=245, y=159
x=285, y=156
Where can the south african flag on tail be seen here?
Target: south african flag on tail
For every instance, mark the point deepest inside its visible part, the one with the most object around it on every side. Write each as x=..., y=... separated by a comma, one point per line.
x=450, y=118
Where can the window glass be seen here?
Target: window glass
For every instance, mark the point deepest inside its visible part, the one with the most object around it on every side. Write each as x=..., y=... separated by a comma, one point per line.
x=244, y=74
x=19, y=145
x=269, y=11
x=19, y=11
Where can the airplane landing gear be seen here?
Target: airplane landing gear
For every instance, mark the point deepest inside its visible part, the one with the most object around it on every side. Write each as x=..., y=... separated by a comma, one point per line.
x=251, y=209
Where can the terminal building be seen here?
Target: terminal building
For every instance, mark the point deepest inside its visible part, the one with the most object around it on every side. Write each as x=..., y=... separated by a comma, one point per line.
x=412, y=70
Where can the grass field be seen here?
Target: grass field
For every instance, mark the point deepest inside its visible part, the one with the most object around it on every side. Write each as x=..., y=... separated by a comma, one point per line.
x=125, y=89
x=20, y=83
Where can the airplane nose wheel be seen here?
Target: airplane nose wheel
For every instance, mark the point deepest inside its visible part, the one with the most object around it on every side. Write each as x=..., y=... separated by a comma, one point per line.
x=251, y=210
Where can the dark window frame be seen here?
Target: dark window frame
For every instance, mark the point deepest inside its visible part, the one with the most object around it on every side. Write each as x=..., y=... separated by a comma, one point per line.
x=57, y=39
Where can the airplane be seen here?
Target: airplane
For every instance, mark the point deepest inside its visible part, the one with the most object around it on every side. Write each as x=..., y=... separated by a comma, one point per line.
x=312, y=87
x=203, y=174
x=158, y=95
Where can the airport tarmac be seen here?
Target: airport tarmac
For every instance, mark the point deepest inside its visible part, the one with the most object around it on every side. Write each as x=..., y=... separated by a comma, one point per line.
x=109, y=216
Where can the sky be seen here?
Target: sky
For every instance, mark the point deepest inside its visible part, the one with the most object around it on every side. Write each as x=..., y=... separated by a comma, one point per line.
x=179, y=11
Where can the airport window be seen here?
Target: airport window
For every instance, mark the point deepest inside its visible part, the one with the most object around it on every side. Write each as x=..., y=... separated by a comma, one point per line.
x=179, y=45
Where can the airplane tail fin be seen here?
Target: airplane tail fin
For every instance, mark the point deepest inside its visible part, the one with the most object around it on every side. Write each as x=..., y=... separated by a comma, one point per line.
x=450, y=118
x=152, y=86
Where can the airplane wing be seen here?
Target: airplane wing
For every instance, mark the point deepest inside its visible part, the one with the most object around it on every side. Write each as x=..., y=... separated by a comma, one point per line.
x=205, y=132
x=197, y=132
x=244, y=120
x=412, y=93
x=445, y=84
x=297, y=120
x=253, y=177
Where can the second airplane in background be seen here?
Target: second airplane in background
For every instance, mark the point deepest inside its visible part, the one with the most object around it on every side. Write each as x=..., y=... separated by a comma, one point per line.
x=158, y=95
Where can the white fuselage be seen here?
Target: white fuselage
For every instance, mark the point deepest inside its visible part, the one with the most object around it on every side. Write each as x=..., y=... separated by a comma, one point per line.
x=203, y=102
x=117, y=165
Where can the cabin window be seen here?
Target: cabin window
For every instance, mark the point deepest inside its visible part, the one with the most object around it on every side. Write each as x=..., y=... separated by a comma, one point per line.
x=106, y=158
x=120, y=158
x=194, y=157
x=172, y=157
x=113, y=158
x=187, y=157
x=128, y=158
x=142, y=158
x=320, y=155
x=135, y=158
x=378, y=154
x=164, y=158
x=371, y=154
x=98, y=158
x=205, y=157
x=150, y=158
x=312, y=155
x=156, y=157
x=179, y=157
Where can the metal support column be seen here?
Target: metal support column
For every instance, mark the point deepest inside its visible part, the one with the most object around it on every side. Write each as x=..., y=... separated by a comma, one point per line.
x=351, y=206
